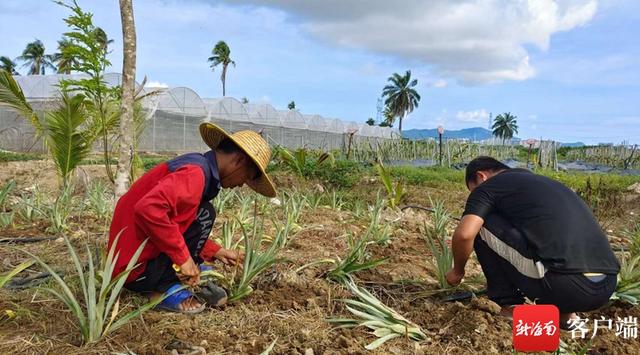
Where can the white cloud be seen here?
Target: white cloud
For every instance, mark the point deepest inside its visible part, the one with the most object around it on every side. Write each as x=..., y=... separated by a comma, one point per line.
x=156, y=84
x=439, y=84
x=475, y=41
x=474, y=116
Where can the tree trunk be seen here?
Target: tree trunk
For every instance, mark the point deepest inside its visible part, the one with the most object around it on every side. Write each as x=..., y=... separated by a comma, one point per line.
x=400, y=125
x=223, y=78
x=127, y=129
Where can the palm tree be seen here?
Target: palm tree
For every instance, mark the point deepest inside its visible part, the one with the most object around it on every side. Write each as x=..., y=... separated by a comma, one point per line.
x=401, y=97
x=127, y=131
x=504, y=126
x=102, y=39
x=63, y=59
x=34, y=57
x=221, y=55
x=291, y=105
x=8, y=65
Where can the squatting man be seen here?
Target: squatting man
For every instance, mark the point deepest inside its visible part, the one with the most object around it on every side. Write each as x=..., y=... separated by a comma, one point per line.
x=534, y=238
x=170, y=208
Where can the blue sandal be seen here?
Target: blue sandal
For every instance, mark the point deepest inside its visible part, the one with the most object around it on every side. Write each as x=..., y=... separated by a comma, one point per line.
x=172, y=303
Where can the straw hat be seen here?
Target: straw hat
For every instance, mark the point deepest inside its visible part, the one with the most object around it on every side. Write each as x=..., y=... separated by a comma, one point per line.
x=253, y=145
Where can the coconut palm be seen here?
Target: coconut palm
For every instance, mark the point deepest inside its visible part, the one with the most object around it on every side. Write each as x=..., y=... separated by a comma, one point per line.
x=8, y=65
x=64, y=60
x=505, y=126
x=63, y=128
x=401, y=96
x=102, y=39
x=221, y=54
x=35, y=58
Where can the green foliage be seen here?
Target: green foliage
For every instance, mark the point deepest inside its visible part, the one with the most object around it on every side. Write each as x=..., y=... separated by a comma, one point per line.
x=628, y=288
x=30, y=205
x=303, y=162
x=11, y=95
x=6, y=156
x=6, y=219
x=573, y=348
x=505, y=126
x=8, y=65
x=255, y=261
x=344, y=174
x=436, y=237
x=6, y=216
x=96, y=308
x=4, y=193
x=61, y=210
x=632, y=235
x=99, y=199
x=357, y=259
x=432, y=176
x=151, y=162
x=336, y=200
x=223, y=199
x=227, y=234
x=35, y=58
x=385, y=322
x=67, y=138
x=293, y=203
x=314, y=199
x=86, y=43
x=401, y=97
x=221, y=54
x=579, y=180
x=68, y=143
x=394, y=193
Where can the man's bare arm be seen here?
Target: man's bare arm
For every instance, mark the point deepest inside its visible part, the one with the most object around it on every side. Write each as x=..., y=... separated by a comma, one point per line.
x=462, y=246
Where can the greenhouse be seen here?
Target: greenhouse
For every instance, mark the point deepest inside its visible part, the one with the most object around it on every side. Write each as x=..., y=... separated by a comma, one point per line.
x=173, y=115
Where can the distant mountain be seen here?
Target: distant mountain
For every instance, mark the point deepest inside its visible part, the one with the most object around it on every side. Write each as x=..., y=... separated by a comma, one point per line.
x=474, y=134
x=572, y=145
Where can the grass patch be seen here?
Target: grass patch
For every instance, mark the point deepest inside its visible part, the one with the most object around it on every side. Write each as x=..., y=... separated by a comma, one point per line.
x=431, y=176
x=578, y=180
x=6, y=156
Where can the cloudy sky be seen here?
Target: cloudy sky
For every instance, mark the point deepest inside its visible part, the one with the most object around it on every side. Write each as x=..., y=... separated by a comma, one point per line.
x=568, y=69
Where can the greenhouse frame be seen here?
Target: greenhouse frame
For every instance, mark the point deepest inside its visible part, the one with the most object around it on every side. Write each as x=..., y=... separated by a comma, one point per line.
x=173, y=115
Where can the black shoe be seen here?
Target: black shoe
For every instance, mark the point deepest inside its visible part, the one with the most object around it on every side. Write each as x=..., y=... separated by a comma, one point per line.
x=212, y=294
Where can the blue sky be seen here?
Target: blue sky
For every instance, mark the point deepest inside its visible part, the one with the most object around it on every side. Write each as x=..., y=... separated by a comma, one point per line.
x=568, y=69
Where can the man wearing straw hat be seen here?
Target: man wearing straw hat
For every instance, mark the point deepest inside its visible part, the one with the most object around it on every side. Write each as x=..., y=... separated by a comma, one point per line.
x=170, y=208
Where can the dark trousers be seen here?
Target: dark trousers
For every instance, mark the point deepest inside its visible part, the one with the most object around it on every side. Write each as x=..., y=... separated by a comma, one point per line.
x=159, y=274
x=513, y=272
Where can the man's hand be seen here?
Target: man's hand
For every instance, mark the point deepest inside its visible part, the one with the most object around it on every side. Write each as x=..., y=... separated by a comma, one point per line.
x=189, y=273
x=229, y=257
x=454, y=277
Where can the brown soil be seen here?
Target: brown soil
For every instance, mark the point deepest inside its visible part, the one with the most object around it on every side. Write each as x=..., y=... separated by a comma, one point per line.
x=288, y=306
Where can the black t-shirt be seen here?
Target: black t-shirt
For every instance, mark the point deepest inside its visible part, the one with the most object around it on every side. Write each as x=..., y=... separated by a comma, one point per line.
x=558, y=225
